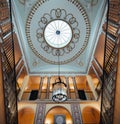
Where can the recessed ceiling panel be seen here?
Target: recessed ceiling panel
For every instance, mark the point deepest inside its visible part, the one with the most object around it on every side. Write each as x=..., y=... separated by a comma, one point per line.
x=57, y=27
x=58, y=32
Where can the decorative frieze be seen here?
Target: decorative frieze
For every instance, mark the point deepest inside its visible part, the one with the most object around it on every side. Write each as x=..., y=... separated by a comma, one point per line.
x=76, y=113
x=40, y=113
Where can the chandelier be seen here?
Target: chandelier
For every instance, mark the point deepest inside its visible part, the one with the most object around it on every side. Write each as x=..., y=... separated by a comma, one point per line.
x=59, y=93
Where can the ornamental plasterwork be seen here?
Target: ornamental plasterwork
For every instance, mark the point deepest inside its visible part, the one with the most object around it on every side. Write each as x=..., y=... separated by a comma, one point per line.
x=47, y=50
x=68, y=26
x=22, y=1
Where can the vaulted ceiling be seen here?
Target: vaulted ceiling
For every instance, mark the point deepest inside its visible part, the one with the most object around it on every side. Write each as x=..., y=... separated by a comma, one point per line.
x=58, y=32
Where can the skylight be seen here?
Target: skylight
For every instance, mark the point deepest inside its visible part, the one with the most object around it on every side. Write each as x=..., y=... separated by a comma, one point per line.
x=58, y=33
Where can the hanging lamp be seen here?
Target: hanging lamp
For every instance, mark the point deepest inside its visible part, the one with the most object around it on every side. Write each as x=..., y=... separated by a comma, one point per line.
x=59, y=93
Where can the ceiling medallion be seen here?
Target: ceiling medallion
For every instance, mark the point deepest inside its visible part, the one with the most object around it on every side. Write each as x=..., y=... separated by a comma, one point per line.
x=58, y=30
x=40, y=20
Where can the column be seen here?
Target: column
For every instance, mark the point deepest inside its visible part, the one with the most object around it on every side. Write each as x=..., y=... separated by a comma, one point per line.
x=76, y=113
x=40, y=114
x=40, y=87
x=24, y=85
x=48, y=87
x=68, y=89
x=75, y=88
x=91, y=85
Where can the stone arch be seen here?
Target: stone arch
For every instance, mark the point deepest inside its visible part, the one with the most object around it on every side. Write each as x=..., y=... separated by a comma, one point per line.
x=57, y=110
x=90, y=115
x=26, y=116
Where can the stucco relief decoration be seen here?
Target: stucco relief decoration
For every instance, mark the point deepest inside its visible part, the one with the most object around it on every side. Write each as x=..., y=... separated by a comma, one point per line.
x=22, y=1
x=55, y=16
x=57, y=31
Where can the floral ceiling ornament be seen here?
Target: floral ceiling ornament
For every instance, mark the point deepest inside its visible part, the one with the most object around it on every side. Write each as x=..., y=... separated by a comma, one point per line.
x=60, y=27
x=73, y=41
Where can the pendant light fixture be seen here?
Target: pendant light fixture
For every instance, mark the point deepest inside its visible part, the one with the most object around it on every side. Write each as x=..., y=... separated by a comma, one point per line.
x=59, y=87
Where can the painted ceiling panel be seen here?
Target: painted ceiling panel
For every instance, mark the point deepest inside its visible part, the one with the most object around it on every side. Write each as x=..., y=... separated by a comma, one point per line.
x=58, y=32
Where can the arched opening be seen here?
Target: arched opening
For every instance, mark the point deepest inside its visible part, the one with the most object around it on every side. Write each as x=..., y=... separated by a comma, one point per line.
x=90, y=115
x=56, y=114
x=26, y=116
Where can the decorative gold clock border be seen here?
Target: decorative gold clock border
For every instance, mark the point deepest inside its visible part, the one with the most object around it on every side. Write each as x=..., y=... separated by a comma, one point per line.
x=28, y=23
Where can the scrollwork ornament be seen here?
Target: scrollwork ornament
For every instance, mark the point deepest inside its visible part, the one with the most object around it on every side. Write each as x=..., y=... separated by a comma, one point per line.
x=75, y=44
x=58, y=14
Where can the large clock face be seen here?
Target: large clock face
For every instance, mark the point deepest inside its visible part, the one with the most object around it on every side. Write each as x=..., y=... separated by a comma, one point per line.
x=59, y=120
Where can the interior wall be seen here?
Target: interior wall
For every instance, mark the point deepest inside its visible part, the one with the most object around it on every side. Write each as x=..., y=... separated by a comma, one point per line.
x=90, y=115
x=34, y=83
x=23, y=86
x=2, y=111
x=94, y=104
x=99, y=52
x=26, y=113
x=50, y=106
x=58, y=110
x=116, y=119
x=90, y=112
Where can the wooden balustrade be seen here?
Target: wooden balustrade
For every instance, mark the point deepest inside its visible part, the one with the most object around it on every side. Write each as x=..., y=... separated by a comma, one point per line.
x=110, y=61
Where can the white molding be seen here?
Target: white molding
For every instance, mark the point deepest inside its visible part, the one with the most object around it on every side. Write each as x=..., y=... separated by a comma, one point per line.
x=19, y=30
